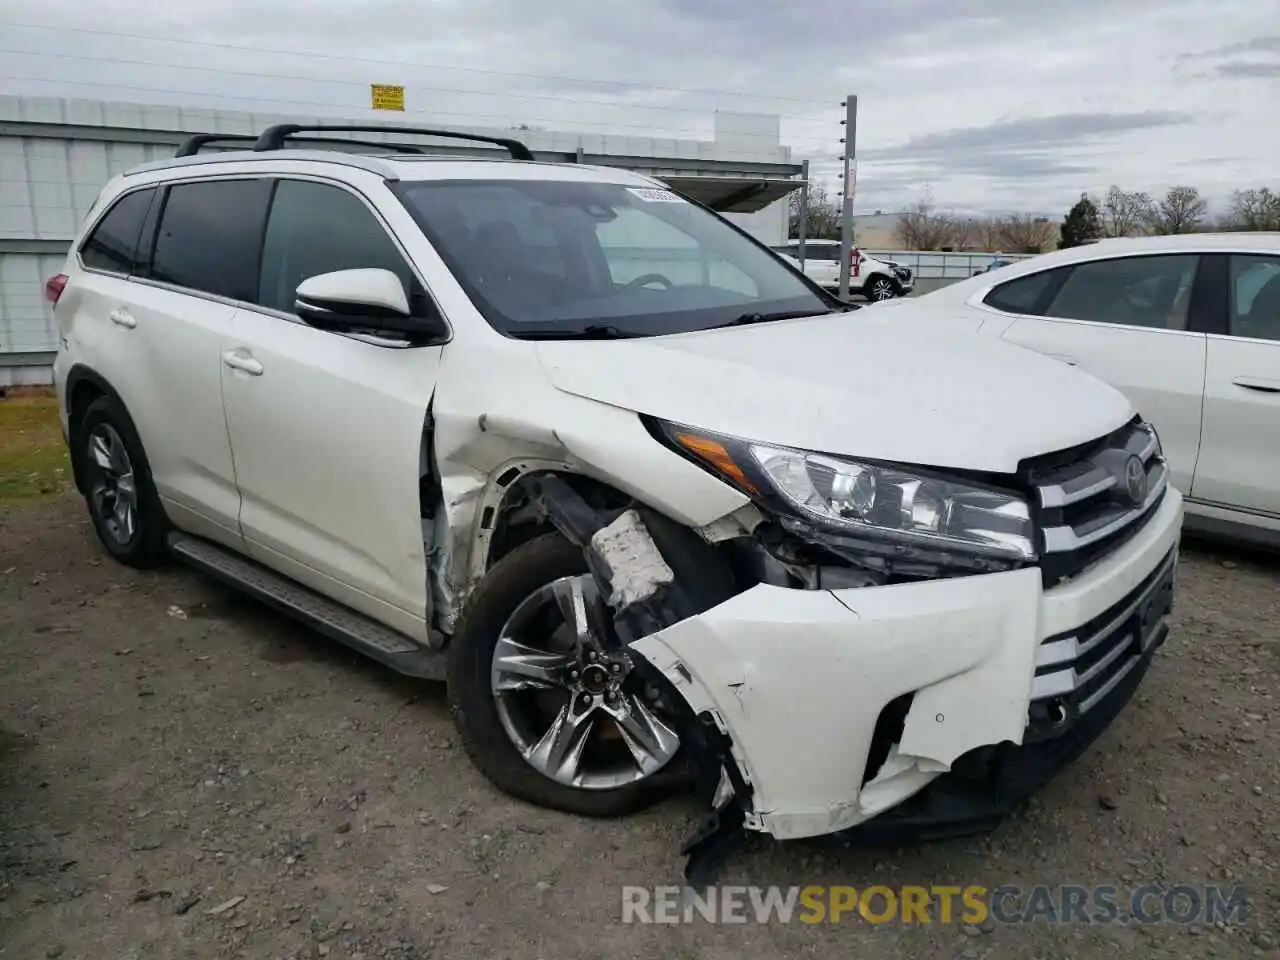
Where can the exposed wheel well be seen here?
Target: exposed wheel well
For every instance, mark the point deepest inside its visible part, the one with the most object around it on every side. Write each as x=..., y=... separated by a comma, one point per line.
x=82, y=394
x=516, y=521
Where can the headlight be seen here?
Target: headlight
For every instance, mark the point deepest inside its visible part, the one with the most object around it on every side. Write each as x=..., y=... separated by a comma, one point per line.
x=880, y=501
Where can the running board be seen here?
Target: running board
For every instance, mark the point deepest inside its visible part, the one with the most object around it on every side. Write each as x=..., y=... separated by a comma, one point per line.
x=357, y=631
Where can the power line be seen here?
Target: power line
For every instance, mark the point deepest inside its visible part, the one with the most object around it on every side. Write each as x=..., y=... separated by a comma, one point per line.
x=381, y=62
x=649, y=130
x=357, y=83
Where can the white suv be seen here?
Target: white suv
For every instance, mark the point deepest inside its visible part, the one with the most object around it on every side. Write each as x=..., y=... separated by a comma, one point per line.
x=659, y=510
x=869, y=277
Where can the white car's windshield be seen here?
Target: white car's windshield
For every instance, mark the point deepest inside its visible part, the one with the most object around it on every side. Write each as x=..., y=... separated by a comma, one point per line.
x=555, y=258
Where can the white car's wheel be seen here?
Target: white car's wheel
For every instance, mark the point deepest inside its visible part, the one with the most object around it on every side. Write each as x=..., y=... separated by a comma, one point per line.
x=879, y=288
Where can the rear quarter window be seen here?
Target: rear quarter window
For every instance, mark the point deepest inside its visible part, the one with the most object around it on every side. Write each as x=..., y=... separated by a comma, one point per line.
x=1021, y=294
x=113, y=244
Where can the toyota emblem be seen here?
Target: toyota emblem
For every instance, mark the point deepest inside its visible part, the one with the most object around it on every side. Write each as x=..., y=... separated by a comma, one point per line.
x=1135, y=480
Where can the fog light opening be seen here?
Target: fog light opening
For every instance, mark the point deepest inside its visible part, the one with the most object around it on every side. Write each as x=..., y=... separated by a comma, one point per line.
x=1057, y=711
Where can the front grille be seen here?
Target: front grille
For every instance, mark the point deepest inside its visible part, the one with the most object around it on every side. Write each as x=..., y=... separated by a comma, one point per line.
x=903, y=273
x=1091, y=499
x=1075, y=671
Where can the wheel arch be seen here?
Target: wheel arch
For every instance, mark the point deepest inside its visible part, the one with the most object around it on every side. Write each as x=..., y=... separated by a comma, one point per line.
x=84, y=385
x=512, y=518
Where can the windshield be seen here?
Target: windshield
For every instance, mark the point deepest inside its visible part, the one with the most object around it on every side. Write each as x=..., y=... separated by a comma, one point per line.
x=548, y=258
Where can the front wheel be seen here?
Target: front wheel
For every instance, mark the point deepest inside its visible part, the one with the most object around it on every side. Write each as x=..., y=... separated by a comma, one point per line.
x=880, y=288
x=545, y=714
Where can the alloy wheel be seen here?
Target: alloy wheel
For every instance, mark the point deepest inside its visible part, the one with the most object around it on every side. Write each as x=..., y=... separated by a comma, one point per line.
x=576, y=712
x=113, y=491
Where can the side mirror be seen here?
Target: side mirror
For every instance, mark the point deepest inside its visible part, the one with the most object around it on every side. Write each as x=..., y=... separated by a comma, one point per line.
x=364, y=301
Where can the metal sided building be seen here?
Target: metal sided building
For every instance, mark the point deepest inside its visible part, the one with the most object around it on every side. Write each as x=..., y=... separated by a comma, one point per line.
x=57, y=154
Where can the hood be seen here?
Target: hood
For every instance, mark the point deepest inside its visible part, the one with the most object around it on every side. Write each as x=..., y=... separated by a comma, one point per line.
x=859, y=384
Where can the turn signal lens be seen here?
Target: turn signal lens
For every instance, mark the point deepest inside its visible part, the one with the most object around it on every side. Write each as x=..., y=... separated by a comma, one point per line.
x=714, y=454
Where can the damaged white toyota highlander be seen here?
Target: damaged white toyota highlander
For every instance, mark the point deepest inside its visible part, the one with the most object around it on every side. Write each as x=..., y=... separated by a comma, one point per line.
x=663, y=513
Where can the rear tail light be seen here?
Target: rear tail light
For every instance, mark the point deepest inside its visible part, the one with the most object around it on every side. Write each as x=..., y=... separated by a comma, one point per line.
x=54, y=286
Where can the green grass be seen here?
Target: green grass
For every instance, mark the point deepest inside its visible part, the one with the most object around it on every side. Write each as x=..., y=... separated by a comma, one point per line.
x=33, y=456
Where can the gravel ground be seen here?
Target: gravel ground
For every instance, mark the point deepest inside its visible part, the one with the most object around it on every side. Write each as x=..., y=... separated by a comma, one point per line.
x=167, y=748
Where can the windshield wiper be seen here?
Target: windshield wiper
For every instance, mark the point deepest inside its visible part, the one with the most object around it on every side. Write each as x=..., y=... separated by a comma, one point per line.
x=594, y=331
x=749, y=318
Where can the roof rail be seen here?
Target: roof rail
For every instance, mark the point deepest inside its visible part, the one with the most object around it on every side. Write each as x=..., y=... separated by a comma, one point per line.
x=191, y=146
x=273, y=138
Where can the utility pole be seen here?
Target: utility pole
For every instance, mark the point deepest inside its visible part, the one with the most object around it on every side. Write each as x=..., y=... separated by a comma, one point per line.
x=850, y=138
x=802, y=230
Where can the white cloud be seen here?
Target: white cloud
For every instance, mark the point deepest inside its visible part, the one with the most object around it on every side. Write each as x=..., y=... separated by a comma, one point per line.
x=991, y=104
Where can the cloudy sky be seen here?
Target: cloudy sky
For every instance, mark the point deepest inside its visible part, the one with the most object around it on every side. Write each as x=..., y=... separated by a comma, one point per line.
x=989, y=105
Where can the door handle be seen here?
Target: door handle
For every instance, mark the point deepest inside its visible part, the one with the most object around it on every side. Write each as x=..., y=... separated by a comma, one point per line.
x=1069, y=361
x=1258, y=383
x=240, y=362
x=123, y=318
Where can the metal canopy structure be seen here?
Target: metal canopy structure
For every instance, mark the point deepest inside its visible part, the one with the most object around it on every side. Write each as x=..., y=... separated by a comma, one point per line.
x=741, y=194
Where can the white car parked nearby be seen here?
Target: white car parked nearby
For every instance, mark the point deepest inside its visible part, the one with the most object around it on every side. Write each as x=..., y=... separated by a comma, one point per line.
x=660, y=511
x=876, y=280
x=1188, y=326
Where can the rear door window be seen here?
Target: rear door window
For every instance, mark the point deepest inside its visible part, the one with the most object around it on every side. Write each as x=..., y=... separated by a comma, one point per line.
x=1151, y=291
x=822, y=252
x=113, y=244
x=210, y=237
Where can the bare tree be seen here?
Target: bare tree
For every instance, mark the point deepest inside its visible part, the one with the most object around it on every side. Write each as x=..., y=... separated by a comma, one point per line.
x=1181, y=210
x=1254, y=210
x=922, y=227
x=824, y=214
x=964, y=233
x=1025, y=233
x=988, y=235
x=1126, y=213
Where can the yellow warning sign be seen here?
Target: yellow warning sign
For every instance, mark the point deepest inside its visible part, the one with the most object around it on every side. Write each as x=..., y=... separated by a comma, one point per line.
x=387, y=97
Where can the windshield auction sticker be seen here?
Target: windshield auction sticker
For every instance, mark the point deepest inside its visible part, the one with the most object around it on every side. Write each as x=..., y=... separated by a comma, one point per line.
x=654, y=195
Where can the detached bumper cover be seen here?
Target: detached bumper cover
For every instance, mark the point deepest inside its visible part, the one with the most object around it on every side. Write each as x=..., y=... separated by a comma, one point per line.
x=799, y=683
x=990, y=783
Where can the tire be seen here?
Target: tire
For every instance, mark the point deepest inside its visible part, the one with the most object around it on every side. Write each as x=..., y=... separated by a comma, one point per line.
x=880, y=288
x=142, y=545
x=516, y=577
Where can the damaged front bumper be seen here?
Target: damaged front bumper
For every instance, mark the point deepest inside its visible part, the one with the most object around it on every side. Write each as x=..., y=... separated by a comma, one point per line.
x=959, y=695
x=880, y=712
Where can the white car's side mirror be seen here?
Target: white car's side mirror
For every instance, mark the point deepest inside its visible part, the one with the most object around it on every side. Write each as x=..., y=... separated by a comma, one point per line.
x=364, y=291
x=367, y=300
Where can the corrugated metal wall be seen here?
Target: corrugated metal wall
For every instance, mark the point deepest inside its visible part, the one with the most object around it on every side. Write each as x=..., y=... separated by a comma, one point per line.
x=48, y=185
x=26, y=323
x=46, y=188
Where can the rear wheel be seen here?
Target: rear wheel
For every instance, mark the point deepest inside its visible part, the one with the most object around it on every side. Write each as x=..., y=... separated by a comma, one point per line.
x=116, y=481
x=544, y=713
